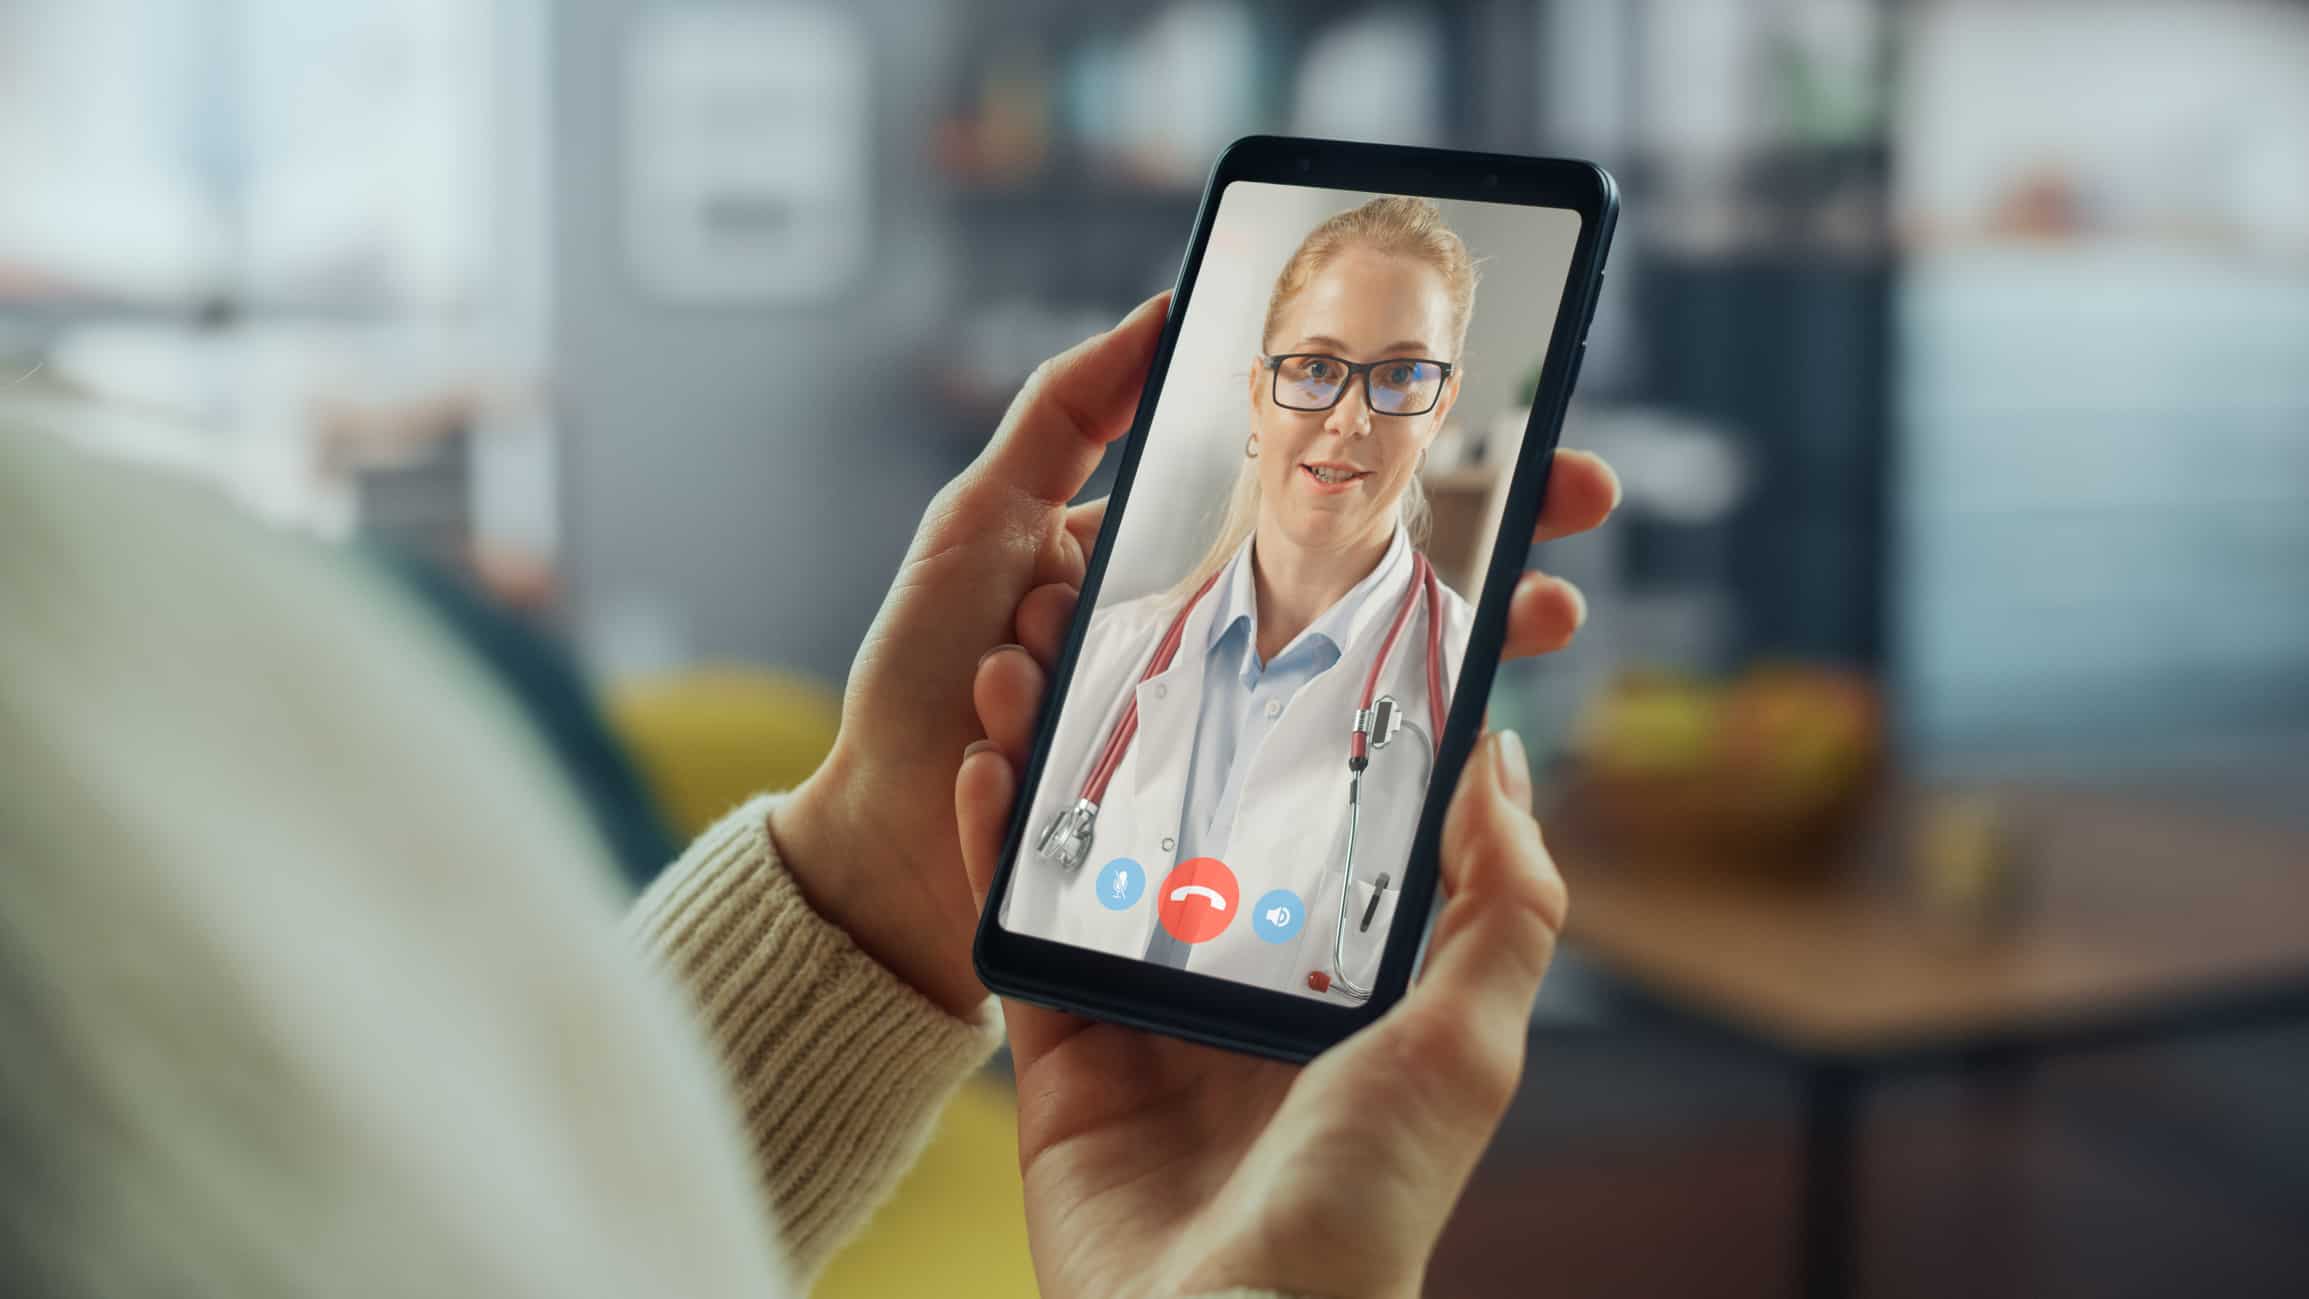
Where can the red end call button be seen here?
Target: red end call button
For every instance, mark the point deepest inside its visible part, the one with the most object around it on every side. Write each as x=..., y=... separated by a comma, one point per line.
x=1198, y=900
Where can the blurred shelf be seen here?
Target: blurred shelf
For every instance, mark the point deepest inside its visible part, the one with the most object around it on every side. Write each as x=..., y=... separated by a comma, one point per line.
x=1478, y=479
x=63, y=311
x=1464, y=505
x=1067, y=178
x=1010, y=202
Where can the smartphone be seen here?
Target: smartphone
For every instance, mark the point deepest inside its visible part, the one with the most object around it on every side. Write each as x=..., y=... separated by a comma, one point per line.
x=1228, y=827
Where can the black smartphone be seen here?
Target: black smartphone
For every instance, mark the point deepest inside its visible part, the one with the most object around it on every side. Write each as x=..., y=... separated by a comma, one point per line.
x=1289, y=626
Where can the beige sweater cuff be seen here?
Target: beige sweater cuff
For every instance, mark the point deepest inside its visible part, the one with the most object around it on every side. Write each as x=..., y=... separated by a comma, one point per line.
x=839, y=1067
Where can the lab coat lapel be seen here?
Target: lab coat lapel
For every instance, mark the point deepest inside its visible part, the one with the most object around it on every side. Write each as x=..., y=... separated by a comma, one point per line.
x=1369, y=625
x=1169, y=708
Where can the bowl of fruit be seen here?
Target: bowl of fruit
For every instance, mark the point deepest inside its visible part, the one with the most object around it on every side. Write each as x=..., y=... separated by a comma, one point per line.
x=1766, y=773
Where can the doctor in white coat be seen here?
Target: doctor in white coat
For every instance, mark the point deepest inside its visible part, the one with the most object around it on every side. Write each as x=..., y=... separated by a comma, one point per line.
x=1241, y=747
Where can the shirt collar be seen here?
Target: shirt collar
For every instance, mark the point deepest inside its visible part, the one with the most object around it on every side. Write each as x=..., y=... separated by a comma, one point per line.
x=1338, y=627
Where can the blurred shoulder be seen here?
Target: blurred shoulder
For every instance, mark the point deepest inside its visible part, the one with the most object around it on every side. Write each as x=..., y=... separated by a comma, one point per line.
x=253, y=795
x=1145, y=616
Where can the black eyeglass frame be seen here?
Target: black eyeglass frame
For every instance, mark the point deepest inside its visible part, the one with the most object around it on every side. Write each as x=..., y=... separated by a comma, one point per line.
x=1355, y=371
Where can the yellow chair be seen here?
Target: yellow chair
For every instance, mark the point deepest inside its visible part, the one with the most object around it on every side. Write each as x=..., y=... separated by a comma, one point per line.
x=708, y=739
x=957, y=1226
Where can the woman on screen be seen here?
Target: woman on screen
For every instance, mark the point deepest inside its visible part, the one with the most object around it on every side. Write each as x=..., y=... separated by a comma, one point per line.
x=1241, y=760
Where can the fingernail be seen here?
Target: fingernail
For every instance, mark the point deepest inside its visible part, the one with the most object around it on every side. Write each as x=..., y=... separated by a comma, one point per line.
x=1619, y=490
x=1008, y=645
x=1514, y=768
x=1135, y=312
x=1578, y=603
x=976, y=747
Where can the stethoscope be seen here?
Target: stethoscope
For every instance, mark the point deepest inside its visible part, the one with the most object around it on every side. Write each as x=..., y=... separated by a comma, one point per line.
x=1066, y=840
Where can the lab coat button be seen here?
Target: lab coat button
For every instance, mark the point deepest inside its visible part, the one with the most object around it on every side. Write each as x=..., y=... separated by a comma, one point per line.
x=1274, y=709
x=1161, y=690
x=1166, y=845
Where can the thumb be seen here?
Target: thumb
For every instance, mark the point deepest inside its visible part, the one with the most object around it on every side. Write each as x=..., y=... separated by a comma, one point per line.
x=1071, y=407
x=983, y=790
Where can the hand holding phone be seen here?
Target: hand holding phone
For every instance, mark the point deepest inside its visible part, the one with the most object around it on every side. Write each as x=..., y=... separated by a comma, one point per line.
x=870, y=835
x=996, y=562
x=1273, y=675
x=1274, y=1167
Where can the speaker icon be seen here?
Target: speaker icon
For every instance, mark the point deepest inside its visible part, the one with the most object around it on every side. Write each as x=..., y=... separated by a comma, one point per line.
x=1279, y=916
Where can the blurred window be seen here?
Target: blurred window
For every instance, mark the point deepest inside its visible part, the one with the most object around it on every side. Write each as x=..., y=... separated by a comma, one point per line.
x=2104, y=339
x=267, y=153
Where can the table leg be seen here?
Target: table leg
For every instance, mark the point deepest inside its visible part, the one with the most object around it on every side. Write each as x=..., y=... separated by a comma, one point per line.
x=1831, y=1159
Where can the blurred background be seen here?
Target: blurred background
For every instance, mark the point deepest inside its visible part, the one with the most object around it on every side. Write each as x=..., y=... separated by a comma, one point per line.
x=1930, y=775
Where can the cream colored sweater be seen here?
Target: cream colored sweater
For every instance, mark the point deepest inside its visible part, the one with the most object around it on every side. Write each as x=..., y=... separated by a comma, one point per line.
x=838, y=1066
x=312, y=980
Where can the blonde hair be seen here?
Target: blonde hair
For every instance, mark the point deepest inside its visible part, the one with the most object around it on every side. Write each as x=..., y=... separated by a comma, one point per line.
x=1395, y=224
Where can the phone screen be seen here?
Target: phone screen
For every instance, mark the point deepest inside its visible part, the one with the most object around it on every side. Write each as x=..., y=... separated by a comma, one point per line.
x=1245, y=746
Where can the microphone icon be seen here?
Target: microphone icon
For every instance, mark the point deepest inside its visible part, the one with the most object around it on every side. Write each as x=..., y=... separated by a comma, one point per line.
x=1118, y=884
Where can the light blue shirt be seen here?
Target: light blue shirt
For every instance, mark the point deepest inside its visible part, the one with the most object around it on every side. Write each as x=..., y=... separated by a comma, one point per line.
x=1242, y=700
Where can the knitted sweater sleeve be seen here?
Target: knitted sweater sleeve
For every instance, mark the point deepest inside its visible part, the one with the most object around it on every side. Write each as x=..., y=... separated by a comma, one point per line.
x=839, y=1068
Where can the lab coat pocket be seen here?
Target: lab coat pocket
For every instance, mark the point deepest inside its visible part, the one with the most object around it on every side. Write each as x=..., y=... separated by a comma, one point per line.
x=1367, y=943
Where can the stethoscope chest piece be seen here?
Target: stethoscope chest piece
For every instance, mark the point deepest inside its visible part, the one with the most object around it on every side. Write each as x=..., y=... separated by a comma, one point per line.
x=1066, y=840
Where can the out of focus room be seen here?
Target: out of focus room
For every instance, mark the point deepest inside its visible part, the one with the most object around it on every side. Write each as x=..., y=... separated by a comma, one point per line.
x=1932, y=775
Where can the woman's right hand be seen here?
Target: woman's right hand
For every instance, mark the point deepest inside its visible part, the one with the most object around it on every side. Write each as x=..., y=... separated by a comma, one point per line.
x=1157, y=1167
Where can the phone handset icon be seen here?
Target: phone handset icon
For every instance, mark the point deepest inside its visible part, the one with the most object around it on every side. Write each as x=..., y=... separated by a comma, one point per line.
x=1217, y=899
x=1198, y=880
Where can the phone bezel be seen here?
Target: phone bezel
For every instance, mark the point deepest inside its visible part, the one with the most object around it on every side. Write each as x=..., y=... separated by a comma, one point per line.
x=1208, y=1008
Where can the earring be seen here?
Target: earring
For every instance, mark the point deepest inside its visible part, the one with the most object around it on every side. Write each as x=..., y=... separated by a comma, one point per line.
x=1251, y=447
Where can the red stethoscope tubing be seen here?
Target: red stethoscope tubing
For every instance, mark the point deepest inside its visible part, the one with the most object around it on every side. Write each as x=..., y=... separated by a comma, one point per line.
x=1126, y=728
x=1423, y=584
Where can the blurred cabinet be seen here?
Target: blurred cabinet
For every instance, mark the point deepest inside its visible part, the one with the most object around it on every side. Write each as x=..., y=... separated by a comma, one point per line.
x=1789, y=351
x=1465, y=505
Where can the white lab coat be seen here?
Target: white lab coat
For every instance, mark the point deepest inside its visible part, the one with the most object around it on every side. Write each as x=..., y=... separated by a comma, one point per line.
x=1290, y=826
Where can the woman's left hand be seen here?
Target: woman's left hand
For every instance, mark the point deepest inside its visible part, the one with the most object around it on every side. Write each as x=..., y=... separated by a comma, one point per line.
x=986, y=590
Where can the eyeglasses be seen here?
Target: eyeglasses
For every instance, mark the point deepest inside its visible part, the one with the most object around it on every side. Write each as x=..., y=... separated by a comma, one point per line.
x=1397, y=386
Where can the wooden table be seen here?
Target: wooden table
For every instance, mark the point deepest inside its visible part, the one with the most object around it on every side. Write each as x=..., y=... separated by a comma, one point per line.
x=2131, y=921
